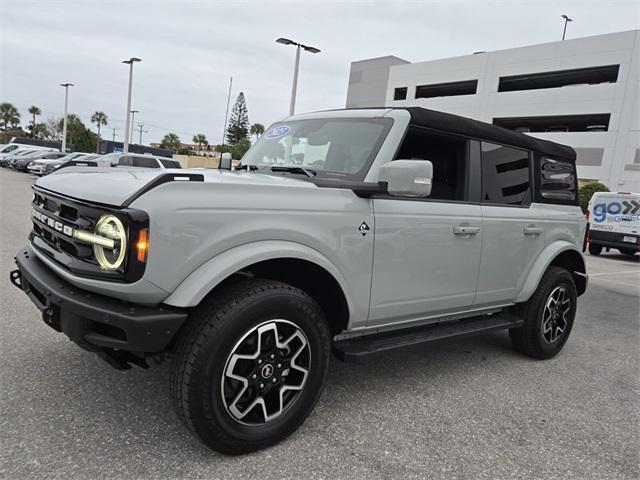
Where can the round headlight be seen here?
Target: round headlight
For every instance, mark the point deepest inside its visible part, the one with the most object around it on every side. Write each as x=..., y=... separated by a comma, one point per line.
x=111, y=227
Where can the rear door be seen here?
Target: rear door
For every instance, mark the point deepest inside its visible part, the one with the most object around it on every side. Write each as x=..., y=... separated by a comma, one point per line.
x=514, y=230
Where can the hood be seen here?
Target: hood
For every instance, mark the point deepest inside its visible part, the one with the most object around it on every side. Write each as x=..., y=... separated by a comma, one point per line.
x=114, y=186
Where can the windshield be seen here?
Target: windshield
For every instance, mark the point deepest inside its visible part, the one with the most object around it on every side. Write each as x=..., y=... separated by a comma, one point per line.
x=334, y=147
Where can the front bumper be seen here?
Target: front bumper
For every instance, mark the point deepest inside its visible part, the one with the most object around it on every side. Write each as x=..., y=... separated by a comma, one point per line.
x=95, y=322
x=36, y=169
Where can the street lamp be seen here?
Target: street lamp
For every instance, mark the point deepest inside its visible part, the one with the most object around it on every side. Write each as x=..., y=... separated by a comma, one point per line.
x=566, y=20
x=133, y=116
x=294, y=87
x=130, y=62
x=64, y=121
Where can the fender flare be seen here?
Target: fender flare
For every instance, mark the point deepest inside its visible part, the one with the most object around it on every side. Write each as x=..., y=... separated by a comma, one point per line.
x=207, y=276
x=546, y=257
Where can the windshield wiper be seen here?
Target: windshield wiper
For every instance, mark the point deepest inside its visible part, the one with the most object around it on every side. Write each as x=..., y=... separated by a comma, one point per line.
x=294, y=169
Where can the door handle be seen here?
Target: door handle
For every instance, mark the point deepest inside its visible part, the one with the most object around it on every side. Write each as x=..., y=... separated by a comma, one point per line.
x=465, y=230
x=532, y=230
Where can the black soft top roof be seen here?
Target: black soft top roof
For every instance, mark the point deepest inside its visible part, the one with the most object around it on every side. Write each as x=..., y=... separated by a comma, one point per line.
x=447, y=122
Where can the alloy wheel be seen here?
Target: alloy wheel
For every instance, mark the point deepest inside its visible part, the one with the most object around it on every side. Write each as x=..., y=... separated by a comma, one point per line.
x=265, y=372
x=556, y=314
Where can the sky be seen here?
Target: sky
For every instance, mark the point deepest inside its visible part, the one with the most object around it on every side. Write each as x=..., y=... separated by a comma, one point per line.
x=189, y=51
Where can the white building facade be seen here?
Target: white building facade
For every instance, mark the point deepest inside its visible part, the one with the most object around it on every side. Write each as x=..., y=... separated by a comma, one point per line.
x=583, y=92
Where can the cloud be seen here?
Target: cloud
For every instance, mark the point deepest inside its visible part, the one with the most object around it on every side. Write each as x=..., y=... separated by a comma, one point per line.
x=190, y=49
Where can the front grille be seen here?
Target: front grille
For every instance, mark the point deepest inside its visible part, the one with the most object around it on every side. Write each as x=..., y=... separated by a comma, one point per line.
x=54, y=220
x=56, y=217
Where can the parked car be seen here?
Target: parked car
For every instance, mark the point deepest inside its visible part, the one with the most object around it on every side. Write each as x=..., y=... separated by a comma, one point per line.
x=46, y=167
x=8, y=159
x=11, y=147
x=133, y=160
x=394, y=228
x=614, y=222
x=22, y=163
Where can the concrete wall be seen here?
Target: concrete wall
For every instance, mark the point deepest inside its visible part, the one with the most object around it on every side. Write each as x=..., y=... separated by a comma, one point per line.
x=611, y=157
x=368, y=81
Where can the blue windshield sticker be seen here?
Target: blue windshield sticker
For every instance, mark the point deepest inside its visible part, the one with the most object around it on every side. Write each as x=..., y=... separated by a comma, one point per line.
x=277, y=132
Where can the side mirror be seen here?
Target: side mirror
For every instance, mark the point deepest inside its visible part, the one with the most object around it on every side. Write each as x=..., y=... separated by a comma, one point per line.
x=407, y=178
x=225, y=161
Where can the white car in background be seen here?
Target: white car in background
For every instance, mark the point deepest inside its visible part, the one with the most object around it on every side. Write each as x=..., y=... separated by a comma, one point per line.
x=45, y=166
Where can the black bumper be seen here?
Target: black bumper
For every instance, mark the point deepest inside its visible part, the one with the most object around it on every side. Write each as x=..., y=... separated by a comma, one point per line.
x=614, y=240
x=95, y=322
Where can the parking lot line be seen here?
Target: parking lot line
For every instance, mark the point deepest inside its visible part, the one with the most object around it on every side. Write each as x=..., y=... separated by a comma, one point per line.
x=620, y=272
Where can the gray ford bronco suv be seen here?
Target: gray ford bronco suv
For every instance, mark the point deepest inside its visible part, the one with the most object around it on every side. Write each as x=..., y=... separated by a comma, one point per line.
x=354, y=231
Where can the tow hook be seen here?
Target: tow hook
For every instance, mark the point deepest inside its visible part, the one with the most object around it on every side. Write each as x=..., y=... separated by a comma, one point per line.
x=16, y=278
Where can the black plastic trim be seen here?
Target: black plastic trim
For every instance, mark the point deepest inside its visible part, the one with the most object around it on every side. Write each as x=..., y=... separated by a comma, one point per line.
x=88, y=318
x=162, y=179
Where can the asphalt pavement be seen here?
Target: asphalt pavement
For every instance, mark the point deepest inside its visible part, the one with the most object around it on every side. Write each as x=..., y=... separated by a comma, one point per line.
x=470, y=409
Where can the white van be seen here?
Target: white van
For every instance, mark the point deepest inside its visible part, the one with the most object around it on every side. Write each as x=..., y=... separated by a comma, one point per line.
x=614, y=222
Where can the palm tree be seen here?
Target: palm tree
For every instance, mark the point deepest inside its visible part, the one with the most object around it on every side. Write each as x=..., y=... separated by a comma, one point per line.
x=170, y=141
x=34, y=111
x=200, y=139
x=256, y=129
x=100, y=119
x=9, y=116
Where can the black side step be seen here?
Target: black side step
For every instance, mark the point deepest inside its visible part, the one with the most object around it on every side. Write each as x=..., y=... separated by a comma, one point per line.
x=361, y=348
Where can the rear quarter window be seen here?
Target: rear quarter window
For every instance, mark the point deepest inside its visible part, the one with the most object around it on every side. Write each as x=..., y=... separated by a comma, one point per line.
x=557, y=181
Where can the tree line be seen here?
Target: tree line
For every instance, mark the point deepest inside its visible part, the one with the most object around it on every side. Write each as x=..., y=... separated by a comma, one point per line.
x=236, y=141
x=84, y=139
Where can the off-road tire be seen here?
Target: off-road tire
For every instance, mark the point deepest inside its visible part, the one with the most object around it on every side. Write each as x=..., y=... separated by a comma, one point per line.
x=205, y=344
x=529, y=339
x=595, y=249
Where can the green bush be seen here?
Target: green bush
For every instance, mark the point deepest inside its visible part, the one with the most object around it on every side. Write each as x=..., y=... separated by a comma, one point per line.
x=587, y=191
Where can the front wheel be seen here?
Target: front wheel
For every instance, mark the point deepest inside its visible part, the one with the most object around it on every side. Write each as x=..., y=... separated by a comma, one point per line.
x=250, y=365
x=548, y=316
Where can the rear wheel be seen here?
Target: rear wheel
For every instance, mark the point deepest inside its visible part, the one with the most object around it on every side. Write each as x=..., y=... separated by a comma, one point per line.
x=250, y=365
x=628, y=251
x=548, y=316
x=595, y=249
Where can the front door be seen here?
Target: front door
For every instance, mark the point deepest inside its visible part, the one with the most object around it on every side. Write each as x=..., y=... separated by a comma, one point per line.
x=427, y=250
x=426, y=259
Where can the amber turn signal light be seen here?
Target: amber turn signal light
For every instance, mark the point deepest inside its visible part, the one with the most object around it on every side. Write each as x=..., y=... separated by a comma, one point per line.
x=142, y=245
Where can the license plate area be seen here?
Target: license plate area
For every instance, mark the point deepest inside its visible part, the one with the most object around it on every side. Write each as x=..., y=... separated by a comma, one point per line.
x=629, y=239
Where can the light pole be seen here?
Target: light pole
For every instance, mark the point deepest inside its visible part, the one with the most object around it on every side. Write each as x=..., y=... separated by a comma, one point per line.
x=114, y=133
x=130, y=62
x=64, y=121
x=133, y=117
x=294, y=87
x=566, y=20
x=142, y=131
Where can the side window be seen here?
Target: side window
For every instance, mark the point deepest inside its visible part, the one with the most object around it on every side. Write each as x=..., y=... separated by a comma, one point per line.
x=557, y=180
x=125, y=161
x=145, y=162
x=448, y=154
x=170, y=163
x=505, y=175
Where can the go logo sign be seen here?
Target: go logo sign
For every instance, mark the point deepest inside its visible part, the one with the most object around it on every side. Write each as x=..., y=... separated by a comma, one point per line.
x=628, y=209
